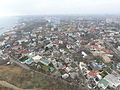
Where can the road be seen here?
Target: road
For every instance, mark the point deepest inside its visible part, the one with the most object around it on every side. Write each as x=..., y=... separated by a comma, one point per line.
x=113, y=49
x=18, y=63
x=84, y=79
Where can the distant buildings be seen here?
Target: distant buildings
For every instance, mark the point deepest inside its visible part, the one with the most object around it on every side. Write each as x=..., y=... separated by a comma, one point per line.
x=80, y=49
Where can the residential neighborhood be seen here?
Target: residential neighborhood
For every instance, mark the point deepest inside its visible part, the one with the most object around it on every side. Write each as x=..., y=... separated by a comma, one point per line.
x=83, y=51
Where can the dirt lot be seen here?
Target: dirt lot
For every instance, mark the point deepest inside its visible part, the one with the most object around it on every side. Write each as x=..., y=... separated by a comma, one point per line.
x=24, y=79
x=8, y=72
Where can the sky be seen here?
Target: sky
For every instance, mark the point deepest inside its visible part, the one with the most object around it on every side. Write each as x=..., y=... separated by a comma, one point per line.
x=56, y=7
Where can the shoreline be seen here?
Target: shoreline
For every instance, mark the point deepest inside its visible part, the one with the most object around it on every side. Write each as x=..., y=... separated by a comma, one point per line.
x=7, y=24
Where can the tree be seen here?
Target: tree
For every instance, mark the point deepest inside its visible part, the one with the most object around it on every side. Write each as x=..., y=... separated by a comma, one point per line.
x=46, y=49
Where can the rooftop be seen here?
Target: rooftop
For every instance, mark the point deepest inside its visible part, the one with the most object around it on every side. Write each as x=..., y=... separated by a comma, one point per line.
x=103, y=83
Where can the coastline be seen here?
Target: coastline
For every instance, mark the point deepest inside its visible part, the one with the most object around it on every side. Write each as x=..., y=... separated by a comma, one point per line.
x=7, y=24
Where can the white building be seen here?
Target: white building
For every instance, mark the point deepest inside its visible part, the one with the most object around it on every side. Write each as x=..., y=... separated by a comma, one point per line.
x=84, y=54
x=118, y=48
x=114, y=81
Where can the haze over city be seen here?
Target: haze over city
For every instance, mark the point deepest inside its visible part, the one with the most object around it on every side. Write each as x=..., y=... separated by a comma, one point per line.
x=59, y=45
x=50, y=7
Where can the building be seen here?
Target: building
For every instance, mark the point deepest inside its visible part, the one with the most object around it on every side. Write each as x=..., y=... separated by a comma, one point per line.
x=45, y=62
x=84, y=54
x=37, y=58
x=29, y=61
x=52, y=69
x=82, y=65
x=111, y=80
x=114, y=81
x=103, y=84
x=118, y=48
x=106, y=59
x=98, y=53
x=94, y=67
x=91, y=74
x=65, y=75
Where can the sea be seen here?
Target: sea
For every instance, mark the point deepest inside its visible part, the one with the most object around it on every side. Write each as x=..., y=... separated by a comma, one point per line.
x=6, y=23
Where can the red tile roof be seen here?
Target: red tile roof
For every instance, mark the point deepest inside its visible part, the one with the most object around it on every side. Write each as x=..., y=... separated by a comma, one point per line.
x=92, y=74
x=64, y=66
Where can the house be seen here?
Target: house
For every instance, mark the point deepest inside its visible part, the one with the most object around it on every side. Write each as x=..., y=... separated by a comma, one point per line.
x=60, y=42
x=68, y=60
x=54, y=62
x=115, y=73
x=45, y=62
x=49, y=45
x=64, y=76
x=103, y=84
x=108, y=51
x=91, y=74
x=24, y=51
x=109, y=55
x=67, y=69
x=118, y=48
x=7, y=46
x=98, y=53
x=62, y=51
x=37, y=58
x=94, y=67
x=84, y=54
x=118, y=66
x=52, y=69
x=17, y=47
x=22, y=40
x=29, y=61
x=68, y=46
x=100, y=66
x=114, y=81
x=98, y=78
x=82, y=65
x=63, y=67
x=60, y=65
x=106, y=59
x=94, y=48
x=31, y=54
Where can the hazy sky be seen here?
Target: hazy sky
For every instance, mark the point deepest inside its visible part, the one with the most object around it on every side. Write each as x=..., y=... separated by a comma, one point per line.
x=43, y=7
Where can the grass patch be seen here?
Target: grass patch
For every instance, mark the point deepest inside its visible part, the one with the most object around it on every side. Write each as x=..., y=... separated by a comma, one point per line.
x=103, y=74
x=23, y=58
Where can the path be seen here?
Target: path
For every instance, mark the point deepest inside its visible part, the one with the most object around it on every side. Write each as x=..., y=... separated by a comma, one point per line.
x=6, y=84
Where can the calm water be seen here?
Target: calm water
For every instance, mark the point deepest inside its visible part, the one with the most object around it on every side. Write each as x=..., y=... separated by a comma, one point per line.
x=6, y=23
